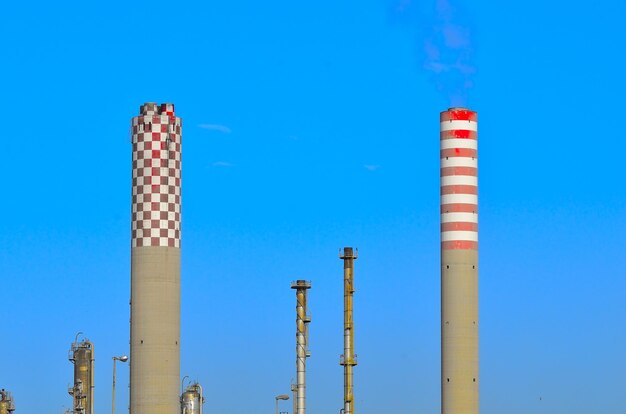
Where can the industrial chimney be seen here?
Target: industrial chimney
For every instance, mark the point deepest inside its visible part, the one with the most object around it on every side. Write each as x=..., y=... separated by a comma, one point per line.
x=81, y=354
x=302, y=341
x=155, y=261
x=348, y=359
x=459, y=262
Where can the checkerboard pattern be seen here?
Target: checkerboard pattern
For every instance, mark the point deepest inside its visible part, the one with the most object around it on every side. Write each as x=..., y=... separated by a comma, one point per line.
x=156, y=140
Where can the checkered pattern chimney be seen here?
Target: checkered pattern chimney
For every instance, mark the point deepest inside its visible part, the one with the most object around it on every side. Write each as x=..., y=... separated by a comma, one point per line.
x=155, y=261
x=156, y=138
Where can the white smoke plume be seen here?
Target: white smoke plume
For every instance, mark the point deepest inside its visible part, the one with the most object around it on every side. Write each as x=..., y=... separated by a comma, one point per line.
x=444, y=43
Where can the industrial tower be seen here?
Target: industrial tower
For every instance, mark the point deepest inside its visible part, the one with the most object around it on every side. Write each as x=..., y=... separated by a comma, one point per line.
x=6, y=402
x=302, y=341
x=348, y=359
x=81, y=354
x=459, y=262
x=155, y=261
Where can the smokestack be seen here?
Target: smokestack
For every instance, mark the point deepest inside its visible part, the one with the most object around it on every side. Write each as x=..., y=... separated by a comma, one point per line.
x=348, y=359
x=302, y=341
x=82, y=356
x=459, y=262
x=155, y=261
x=6, y=402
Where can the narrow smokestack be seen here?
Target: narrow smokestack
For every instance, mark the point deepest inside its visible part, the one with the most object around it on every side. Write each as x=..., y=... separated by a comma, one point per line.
x=302, y=341
x=348, y=359
x=155, y=261
x=459, y=262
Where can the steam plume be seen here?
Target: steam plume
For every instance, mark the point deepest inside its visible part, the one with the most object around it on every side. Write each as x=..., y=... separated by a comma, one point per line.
x=444, y=44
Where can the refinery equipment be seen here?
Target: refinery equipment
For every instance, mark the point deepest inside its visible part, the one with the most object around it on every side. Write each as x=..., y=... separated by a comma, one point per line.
x=191, y=400
x=155, y=260
x=294, y=391
x=6, y=402
x=348, y=359
x=459, y=261
x=302, y=341
x=81, y=354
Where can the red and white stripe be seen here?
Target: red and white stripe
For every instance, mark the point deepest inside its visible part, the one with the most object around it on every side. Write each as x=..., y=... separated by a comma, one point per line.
x=156, y=139
x=459, y=179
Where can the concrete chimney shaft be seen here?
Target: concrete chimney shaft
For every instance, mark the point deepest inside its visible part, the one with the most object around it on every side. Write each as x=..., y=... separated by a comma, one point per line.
x=155, y=261
x=459, y=262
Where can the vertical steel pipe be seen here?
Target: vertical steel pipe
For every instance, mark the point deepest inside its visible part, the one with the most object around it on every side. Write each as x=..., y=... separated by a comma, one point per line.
x=113, y=388
x=302, y=353
x=459, y=261
x=348, y=359
x=294, y=390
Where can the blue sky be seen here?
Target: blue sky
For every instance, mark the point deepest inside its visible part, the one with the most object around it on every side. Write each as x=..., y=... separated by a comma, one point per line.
x=308, y=127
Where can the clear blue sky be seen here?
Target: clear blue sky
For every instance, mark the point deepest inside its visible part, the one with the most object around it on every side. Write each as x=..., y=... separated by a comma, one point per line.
x=309, y=126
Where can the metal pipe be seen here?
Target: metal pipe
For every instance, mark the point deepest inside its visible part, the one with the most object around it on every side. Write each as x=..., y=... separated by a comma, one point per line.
x=302, y=353
x=201, y=397
x=459, y=261
x=122, y=358
x=92, y=382
x=113, y=389
x=348, y=359
x=294, y=390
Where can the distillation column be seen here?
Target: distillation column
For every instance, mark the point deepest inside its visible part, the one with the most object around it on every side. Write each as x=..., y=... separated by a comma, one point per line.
x=302, y=341
x=82, y=356
x=459, y=262
x=348, y=359
x=155, y=261
x=6, y=402
x=191, y=400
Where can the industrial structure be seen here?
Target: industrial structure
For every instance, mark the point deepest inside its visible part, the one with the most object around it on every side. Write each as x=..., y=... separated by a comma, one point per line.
x=348, y=359
x=302, y=342
x=294, y=391
x=191, y=399
x=81, y=354
x=459, y=262
x=155, y=260
x=6, y=402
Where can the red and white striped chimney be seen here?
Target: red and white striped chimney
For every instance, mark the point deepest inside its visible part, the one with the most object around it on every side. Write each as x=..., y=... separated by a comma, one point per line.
x=459, y=261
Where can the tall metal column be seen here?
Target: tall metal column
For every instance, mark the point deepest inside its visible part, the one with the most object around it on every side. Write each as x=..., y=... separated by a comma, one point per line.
x=6, y=402
x=459, y=262
x=155, y=261
x=81, y=354
x=302, y=340
x=348, y=359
